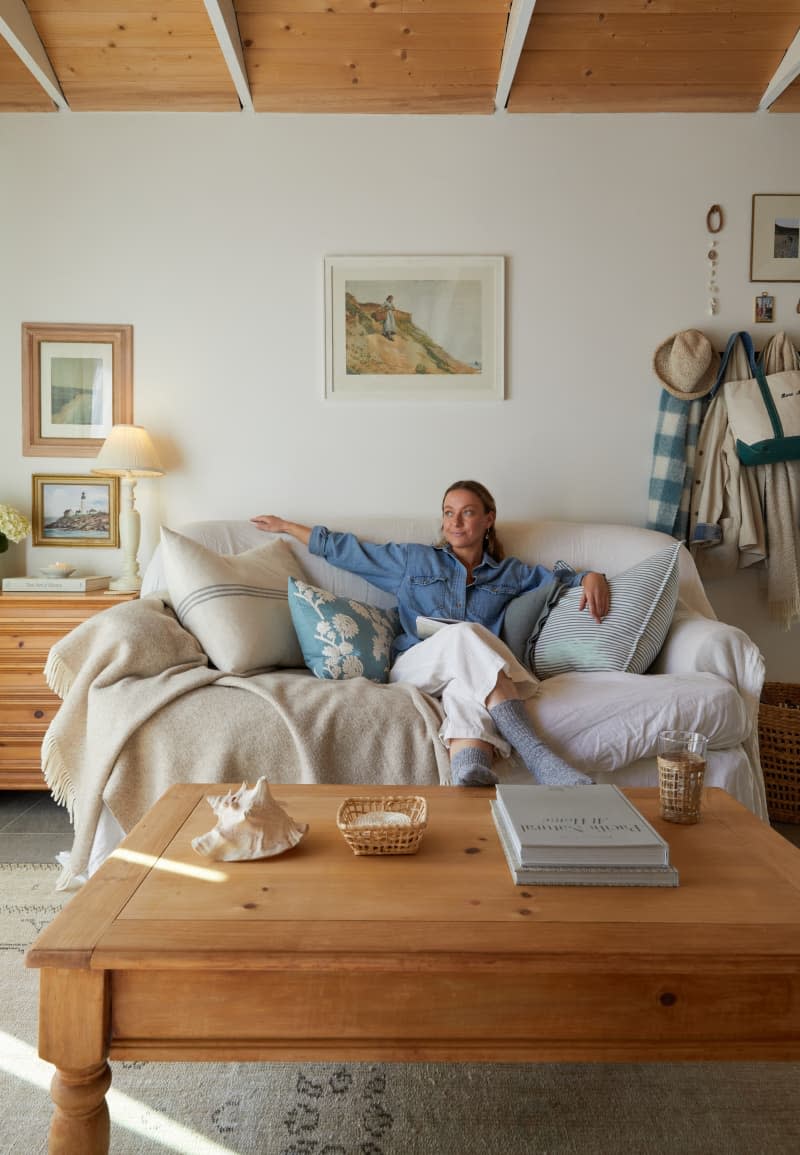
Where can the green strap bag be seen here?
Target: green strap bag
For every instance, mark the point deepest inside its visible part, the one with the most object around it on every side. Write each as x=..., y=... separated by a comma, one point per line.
x=763, y=411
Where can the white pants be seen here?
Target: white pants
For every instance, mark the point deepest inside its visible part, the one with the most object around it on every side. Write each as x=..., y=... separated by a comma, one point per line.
x=461, y=664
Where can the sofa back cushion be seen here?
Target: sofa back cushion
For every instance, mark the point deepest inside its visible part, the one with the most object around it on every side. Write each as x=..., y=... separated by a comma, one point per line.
x=585, y=545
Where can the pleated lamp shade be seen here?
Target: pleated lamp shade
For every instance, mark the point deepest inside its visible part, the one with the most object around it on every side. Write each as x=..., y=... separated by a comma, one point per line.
x=129, y=450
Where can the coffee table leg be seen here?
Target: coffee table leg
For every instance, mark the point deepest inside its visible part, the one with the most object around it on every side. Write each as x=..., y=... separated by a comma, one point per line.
x=74, y=1018
x=80, y=1121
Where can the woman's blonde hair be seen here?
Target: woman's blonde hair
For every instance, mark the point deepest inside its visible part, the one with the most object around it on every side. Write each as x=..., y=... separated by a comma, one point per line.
x=492, y=545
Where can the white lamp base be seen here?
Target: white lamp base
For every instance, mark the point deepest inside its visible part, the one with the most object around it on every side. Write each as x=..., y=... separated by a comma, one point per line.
x=130, y=580
x=123, y=586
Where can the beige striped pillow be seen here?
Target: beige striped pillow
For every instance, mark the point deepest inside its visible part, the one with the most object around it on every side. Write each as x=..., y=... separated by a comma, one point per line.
x=236, y=605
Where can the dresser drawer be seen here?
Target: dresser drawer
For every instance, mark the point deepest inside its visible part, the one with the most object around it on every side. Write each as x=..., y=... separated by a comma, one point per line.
x=30, y=625
x=21, y=710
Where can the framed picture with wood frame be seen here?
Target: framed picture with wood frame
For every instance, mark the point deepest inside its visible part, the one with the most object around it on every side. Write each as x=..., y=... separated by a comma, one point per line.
x=77, y=381
x=75, y=509
x=414, y=328
x=775, y=238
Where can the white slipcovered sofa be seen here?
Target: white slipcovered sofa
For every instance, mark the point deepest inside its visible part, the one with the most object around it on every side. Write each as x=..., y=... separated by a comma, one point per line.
x=707, y=678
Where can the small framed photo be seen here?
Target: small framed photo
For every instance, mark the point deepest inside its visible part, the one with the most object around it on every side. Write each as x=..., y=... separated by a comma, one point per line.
x=775, y=238
x=765, y=309
x=77, y=381
x=70, y=509
x=414, y=328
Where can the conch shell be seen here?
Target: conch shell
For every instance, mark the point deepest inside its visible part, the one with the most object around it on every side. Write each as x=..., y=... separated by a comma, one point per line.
x=250, y=824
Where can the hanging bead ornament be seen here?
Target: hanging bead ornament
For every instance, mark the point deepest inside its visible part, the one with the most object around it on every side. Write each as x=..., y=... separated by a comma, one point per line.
x=714, y=225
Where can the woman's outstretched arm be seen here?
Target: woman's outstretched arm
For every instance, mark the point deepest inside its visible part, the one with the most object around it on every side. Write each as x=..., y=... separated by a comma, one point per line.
x=271, y=524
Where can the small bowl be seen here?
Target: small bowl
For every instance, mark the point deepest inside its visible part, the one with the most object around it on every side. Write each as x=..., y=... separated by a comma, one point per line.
x=57, y=569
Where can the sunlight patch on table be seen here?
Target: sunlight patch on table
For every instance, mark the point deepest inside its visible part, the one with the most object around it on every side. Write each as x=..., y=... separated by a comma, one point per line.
x=168, y=865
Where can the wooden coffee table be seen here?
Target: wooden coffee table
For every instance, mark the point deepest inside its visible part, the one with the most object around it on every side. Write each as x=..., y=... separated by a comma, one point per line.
x=322, y=955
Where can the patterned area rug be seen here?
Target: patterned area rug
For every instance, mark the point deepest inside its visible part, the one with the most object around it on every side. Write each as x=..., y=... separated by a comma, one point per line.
x=383, y=1109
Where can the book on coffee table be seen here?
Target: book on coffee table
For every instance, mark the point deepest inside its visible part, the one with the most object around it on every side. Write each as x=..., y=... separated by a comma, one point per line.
x=522, y=875
x=578, y=826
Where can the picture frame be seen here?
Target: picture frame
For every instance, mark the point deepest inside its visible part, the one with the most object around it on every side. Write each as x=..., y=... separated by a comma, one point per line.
x=775, y=237
x=421, y=328
x=75, y=510
x=77, y=381
x=764, y=311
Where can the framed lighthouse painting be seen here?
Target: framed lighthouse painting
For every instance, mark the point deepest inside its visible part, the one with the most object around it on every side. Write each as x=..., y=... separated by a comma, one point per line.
x=73, y=509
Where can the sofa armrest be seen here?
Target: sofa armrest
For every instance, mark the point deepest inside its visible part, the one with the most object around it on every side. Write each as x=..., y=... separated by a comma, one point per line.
x=696, y=644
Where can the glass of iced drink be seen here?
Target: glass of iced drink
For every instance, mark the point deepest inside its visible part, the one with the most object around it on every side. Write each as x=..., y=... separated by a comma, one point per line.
x=681, y=769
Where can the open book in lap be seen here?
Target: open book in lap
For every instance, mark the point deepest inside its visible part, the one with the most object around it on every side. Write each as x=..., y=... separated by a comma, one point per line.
x=426, y=627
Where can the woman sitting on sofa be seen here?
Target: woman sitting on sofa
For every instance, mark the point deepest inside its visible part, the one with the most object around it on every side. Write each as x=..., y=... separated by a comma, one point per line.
x=467, y=578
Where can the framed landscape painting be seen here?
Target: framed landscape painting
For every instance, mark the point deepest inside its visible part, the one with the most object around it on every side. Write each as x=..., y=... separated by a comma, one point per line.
x=775, y=238
x=70, y=509
x=414, y=328
x=77, y=381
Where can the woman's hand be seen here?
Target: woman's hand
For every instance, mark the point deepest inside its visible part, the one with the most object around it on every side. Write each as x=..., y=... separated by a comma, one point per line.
x=271, y=524
x=596, y=595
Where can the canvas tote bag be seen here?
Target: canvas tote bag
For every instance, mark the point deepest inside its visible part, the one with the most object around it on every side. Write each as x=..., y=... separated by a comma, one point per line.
x=763, y=411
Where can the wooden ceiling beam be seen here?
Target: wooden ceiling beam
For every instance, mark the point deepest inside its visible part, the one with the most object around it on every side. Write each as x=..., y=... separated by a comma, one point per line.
x=17, y=29
x=226, y=29
x=519, y=19
x=786, y=73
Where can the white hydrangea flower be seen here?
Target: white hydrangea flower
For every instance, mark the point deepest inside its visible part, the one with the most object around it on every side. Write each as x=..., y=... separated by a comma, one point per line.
x=12, y=524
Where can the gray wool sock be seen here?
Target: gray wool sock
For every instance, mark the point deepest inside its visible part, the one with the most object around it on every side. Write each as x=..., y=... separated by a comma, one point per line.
x=547, y=768
x=471, y=766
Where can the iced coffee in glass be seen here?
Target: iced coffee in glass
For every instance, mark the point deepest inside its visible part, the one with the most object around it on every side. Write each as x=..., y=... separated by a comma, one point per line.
x=681, y=770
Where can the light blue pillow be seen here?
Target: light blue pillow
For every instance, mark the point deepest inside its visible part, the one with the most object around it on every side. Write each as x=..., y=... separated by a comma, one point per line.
x=643, y=600
x=340, y=637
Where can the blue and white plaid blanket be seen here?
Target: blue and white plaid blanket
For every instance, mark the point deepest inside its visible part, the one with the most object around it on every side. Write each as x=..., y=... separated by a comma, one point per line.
x=672, y=475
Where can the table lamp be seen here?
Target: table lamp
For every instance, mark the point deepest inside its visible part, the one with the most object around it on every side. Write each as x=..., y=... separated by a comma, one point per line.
x=128, y=453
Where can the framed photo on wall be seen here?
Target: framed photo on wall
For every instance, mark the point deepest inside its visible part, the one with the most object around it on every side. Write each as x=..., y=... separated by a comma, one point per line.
x=77, y=381
x=775, y=238
x=764, y=312
x=70, y=509
x=415, y=328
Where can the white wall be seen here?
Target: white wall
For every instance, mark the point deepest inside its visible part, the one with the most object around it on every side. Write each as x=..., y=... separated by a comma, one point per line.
x=207, y=233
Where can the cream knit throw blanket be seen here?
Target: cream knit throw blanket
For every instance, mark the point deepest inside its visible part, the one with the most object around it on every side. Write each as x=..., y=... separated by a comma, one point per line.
x=141, y=710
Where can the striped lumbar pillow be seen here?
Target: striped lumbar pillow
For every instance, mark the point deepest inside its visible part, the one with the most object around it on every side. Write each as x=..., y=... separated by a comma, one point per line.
x=236, y=605
x=643, y=600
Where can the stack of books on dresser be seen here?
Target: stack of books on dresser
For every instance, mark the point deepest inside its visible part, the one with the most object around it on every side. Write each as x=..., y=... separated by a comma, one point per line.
x=579, y=836
x=55, y=585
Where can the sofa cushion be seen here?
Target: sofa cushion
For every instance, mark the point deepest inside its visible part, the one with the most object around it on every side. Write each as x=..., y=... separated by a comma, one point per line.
x=606, y=721
x=341, y=637
x=236, y=605
x=643, y=600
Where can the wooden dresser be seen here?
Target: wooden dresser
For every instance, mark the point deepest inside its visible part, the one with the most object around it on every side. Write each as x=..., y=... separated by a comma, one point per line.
x=29, y=625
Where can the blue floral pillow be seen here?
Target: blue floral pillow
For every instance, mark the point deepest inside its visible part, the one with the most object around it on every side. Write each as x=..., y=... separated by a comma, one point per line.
x=339, y=637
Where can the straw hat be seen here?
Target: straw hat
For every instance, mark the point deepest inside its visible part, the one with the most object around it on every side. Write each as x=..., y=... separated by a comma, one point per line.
x=687, y=365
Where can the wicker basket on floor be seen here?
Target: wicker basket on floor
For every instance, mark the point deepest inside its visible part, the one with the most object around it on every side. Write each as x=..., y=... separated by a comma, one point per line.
x=779, y=743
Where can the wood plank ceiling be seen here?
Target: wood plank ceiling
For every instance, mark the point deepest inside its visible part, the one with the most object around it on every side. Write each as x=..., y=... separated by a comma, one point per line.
x=400, y=56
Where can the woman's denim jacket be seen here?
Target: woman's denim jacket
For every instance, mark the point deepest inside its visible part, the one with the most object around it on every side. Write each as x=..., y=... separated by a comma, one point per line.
x=431, y=581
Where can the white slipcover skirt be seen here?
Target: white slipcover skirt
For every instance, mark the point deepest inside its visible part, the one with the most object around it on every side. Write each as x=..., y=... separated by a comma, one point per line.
x=460, y=664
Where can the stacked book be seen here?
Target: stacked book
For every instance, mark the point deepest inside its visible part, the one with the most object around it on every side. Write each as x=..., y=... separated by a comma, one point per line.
x=55, y=585
x=579, y=836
